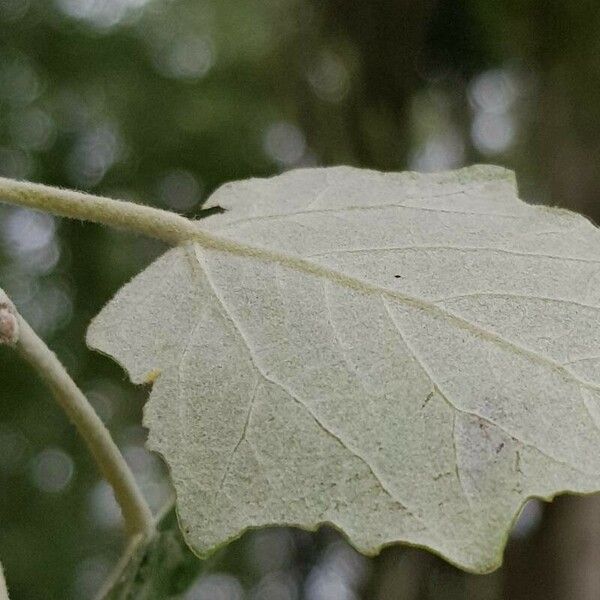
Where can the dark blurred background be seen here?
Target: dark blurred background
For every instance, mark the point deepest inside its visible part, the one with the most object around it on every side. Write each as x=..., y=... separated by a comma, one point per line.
x=163, y=100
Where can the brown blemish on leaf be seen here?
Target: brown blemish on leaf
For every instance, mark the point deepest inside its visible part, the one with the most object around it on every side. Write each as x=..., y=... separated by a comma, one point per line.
x=429, y=397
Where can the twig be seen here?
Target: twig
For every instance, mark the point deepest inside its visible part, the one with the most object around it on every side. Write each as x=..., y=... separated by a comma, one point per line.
x=15, y=331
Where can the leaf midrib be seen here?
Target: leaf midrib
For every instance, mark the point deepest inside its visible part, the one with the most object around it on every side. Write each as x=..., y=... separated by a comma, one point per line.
x=211, y=242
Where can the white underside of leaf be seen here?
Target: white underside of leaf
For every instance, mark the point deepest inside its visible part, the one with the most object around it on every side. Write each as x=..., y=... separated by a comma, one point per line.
x=407, y=357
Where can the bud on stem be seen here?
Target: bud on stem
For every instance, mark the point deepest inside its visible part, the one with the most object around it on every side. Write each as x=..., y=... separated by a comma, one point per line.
x=9, y=324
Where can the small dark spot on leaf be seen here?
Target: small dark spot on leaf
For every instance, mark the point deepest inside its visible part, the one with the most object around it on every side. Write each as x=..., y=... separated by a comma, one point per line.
x=429, y=397
x=398, y=276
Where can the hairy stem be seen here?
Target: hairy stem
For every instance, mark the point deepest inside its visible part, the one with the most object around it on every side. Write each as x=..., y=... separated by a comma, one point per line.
x=161, y=224
x=136, y=512
x=154, y=222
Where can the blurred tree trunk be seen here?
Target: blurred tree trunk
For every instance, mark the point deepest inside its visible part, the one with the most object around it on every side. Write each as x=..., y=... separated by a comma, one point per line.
x=556, y=45
x=400, y=574
x=562, y=561
x=386, y=39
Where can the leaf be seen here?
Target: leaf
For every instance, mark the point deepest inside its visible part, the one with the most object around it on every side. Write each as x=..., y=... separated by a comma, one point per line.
x=160, y=569
x=407, y=357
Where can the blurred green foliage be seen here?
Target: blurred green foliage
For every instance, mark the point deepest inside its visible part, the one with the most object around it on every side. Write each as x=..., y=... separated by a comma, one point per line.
x=163, y=100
